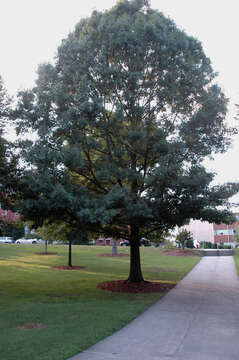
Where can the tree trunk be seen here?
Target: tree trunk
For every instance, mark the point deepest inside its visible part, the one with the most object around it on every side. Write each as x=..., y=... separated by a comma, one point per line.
x=114, y=247
x=135, y=274
x=46, y=246
x=69, y=254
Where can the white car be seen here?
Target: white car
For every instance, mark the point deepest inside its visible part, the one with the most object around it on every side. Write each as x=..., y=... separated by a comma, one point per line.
x=27, y=241
x=6, y=240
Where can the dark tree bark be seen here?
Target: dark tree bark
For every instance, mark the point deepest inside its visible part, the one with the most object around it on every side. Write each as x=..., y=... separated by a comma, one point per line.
x=114, y=247
x=69, y=255
x=135, y=274
x=46, y=246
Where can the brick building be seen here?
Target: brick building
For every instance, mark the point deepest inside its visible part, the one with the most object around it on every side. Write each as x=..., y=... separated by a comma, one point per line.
x=106, y=241
x=224, y=234
x=8, y=215
x=203, y=231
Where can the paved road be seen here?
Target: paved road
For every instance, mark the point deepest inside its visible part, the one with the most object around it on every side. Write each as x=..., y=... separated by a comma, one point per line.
x=197, y=320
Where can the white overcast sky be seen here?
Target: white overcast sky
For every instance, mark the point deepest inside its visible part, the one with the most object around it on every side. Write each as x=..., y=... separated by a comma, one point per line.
x=31, y=30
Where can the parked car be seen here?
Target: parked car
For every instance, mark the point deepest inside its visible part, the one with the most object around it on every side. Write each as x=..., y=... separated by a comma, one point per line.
x=6, y=240
x=124, y=243
x=145, y=242
x=27, y=241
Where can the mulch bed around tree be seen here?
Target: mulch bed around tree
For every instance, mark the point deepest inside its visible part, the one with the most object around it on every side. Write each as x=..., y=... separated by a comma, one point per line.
x=31, y=326
x=117, y=255
x=181, y=252
x=69, y=267
x=46, y=253
x=142, y=287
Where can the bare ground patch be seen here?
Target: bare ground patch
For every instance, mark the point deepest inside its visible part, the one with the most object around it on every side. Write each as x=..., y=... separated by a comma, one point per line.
x=181, y=252
x=46, y=253
x=31, y=326
x=141, y=287
x=62, y=267
x=114, y=256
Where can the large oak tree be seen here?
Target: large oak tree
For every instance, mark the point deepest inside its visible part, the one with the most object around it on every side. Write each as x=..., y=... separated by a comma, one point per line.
x=124, y=119
x=8, y=160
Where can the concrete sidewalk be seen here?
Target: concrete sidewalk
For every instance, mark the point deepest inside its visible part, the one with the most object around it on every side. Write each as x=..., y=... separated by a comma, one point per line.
x=197, y=320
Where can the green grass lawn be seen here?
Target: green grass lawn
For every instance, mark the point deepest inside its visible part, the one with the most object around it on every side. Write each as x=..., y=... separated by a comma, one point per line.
x=74, y=313
x=236, y=258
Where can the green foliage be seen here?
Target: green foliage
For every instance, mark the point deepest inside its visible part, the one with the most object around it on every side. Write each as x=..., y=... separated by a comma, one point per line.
x=222, y=246
x=184, y=239
x=206, y=245
x=8, y=159
x=130, y=7
x=236, y=234
x=189, y=243
x=124, y=120
x=4, y=102
x=15, y=229
x=56, y=231
x=61, y=231
x=159, y=237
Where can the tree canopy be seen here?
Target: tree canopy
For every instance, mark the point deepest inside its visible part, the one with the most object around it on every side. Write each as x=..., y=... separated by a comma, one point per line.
x=124, y=119
x=184, y=238
x=8, y=161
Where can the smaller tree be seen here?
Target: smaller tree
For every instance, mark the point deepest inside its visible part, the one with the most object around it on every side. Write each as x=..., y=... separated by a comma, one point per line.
x=184, y=239
x=55, y=231
x=158, y=237
x=40, y=232
x=62, y=231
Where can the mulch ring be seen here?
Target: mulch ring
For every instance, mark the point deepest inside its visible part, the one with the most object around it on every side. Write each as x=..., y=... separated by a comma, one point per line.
x=180, y=252
x=142, y=287
x=31, y=326
x=117, y=255
x=46, y=253
x=62, y=267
